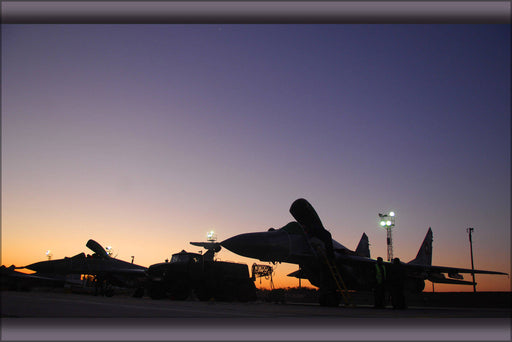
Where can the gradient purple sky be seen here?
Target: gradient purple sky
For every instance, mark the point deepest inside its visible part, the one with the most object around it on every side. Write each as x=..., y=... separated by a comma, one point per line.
x=145, y=137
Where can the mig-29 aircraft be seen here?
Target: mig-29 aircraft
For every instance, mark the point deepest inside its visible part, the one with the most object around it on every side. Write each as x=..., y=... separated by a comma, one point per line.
x=107, y=271
x=327, y=263
x=13, y=280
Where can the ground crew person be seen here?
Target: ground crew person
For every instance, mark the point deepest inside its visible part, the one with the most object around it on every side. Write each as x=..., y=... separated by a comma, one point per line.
x=397, y=284
x=380, y=284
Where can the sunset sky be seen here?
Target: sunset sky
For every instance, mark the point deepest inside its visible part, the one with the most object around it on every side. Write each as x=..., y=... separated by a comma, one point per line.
x=145, y=137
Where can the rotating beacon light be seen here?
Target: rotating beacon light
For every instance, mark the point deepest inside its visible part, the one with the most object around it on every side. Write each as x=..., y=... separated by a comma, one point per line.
x=388, y=221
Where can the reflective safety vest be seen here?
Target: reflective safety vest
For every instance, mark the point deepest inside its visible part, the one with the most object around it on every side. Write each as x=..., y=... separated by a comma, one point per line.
x=380, y=273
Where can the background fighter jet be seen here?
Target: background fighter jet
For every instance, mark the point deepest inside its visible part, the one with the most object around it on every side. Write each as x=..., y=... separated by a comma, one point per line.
x=329, y=265
x=14, y=280
x=107, y=271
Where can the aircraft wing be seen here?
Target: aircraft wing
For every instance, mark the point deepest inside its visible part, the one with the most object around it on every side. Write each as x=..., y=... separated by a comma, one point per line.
x=433, y=273
x=440, y=278
x=11, y=277
x=449, y=270
x=112, y=266
x=419, y=267
x=34, y=276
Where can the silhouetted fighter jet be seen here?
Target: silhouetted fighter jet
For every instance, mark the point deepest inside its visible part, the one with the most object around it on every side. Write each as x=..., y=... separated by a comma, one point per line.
x=107, y=271
x=320, y=258
x=14, y=280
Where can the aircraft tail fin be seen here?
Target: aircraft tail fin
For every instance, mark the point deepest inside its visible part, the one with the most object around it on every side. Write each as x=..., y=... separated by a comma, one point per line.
x=363, y=248
x=424, y=256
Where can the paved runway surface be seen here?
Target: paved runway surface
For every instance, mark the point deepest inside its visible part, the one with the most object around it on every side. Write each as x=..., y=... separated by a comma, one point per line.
x=61, y=316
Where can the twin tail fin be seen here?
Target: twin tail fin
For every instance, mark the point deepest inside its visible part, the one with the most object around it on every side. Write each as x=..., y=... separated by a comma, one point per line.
x=424, y=256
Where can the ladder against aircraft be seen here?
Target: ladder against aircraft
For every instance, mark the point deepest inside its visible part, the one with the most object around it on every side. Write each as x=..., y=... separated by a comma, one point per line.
x=335, y=274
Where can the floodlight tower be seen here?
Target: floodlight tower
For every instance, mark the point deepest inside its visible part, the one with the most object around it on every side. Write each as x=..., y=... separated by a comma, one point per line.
x=49, y=254
x=388, y=221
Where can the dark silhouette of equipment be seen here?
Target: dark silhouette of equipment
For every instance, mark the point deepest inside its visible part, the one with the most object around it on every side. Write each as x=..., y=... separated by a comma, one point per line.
x=263, y=271
x=188, y=274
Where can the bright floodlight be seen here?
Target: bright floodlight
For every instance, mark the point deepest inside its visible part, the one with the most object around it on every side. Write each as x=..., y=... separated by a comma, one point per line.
x=392, y=213
x=388, y=223
x=48, y=252
x=211, y=236
x=382, y=223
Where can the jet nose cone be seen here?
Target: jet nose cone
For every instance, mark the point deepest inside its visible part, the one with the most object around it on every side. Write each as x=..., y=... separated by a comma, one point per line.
x=51, y=266
x=267, y=246
x=42, y=267
x=243, y=244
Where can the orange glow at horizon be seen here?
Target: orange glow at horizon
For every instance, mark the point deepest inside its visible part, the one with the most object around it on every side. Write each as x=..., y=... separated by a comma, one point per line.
x=25, y=241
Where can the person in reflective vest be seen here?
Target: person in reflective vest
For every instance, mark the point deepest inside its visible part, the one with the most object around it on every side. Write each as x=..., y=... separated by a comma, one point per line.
x=380, y=284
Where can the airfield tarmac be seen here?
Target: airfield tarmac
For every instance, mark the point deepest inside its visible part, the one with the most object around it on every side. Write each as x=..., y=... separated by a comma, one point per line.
x=71, y=316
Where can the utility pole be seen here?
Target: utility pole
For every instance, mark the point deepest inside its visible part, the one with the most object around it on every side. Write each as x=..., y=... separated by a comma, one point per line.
x=470, y=231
